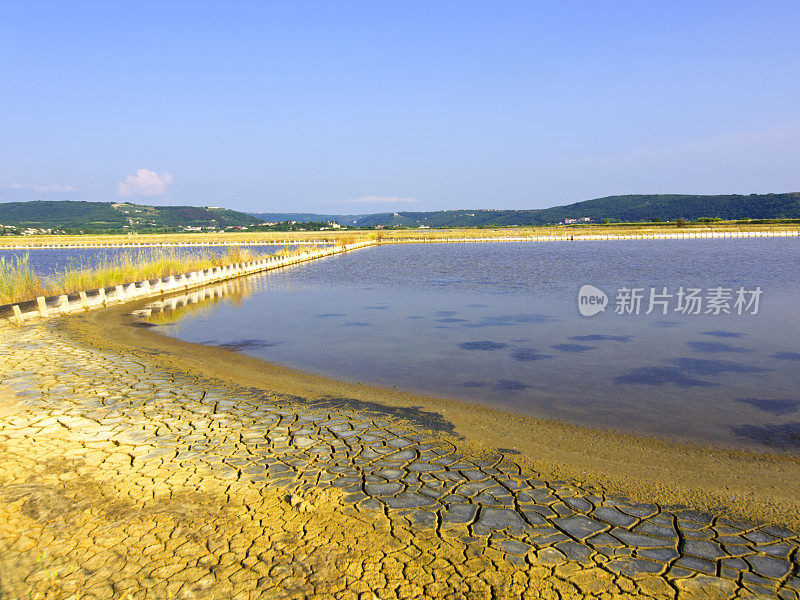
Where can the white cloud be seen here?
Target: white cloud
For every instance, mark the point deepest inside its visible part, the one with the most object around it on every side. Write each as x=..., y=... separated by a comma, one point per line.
x=381, y=200
x=55, y=187
x=144, y=183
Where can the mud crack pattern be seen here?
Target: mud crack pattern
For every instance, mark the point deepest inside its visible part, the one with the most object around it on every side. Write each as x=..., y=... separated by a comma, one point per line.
x=134, y=480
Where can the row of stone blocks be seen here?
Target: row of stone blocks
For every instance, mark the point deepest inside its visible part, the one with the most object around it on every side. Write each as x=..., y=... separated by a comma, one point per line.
x=529, y=238
x=677, y=235
x=43, y=308
x=262, y=242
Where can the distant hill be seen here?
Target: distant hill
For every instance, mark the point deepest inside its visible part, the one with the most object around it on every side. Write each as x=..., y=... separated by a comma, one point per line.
x=631, y=208
x=58, y=215
x=89, y=217
x=118, y=217
x=646, y=207
x=306, y=217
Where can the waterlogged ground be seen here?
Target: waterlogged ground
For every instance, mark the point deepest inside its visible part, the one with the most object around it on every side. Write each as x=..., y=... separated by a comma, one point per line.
x=123, y=477
x=499, y=324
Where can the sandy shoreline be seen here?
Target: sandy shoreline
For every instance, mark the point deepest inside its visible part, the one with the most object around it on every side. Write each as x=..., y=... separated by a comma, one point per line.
x=759, y=487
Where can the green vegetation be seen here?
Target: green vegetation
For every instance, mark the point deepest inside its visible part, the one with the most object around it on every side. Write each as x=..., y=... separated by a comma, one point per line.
x=669, y=207
x=18, y=282
x=98, y=217
x=292, y=226
x=107, y=217
x=656, y=208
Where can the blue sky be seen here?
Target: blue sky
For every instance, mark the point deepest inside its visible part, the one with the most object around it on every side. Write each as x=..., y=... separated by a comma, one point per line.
x=354, y=107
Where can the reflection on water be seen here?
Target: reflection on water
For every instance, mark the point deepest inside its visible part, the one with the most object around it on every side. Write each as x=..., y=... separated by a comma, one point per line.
x=783, y=436
x=498, y=324
x=776, y=407
x=714, y=347
x=251, y=344
x=182, y=308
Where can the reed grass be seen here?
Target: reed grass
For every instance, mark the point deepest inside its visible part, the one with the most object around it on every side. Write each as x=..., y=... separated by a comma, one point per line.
x=18, y=282
x=289, y=237
x=346, y=240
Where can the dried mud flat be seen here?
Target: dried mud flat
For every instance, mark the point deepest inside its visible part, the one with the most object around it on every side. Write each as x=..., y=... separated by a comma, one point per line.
x=123, y=475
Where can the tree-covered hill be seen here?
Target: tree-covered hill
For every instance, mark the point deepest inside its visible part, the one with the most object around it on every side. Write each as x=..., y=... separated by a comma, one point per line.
x=62, y=214
x=73, y=216
x=638, y=207
x=91, y=217
x=646, y=207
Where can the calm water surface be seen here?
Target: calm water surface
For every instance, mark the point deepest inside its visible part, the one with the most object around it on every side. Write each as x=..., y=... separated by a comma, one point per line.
x=48, y=261
x=498, y=323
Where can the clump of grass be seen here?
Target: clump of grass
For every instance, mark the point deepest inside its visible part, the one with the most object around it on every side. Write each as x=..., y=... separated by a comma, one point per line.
x=137, y=267
x=235, y=254
x=18, y=282
x=345, y=240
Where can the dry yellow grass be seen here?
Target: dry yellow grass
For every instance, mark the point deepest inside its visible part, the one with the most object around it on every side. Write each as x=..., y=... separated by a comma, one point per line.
x=18, y=282
x=288, y=237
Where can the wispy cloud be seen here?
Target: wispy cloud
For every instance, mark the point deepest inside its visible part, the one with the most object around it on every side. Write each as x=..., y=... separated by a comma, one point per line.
x=42, y=188
x=145, y=183
x=54, y=188
x=381, y=200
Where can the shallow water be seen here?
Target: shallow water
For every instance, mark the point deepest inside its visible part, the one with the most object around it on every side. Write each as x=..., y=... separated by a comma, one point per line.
x=47, y=262
x=498, y=323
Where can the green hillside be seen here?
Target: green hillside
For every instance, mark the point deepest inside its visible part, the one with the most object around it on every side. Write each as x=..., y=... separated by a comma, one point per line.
x=60, y=215
x=646, y=207
x=306, y=217
x=95, y=217
x=101, y=217
x=638, y=207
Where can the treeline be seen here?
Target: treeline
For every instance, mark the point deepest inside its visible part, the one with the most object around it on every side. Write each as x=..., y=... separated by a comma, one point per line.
x=292, y=226
x=635, y=208
x=669, y=207
x=106, y=217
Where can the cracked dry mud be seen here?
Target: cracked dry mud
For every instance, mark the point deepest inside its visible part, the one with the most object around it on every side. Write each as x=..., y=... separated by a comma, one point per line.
x=123, y=479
